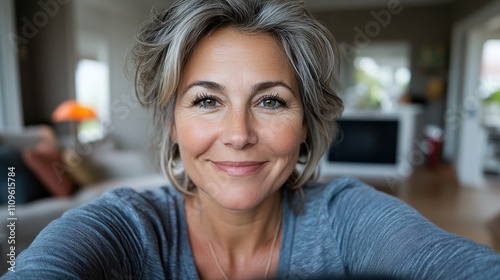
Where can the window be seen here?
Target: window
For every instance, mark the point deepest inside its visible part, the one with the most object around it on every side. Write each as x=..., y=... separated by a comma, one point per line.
x=92, y=89
x=489, y=89
x=381, y=75
x=490, y=69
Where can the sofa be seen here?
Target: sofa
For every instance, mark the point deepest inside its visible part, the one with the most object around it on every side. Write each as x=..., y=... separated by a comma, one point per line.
x=81, y=176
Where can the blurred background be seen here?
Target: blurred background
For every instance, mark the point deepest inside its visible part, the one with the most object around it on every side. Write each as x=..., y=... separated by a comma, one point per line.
x=420, y=80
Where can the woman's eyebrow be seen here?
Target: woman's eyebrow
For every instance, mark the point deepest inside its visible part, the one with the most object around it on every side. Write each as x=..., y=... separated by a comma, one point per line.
x=205, y=84
x=270, y=84
x=256, y=88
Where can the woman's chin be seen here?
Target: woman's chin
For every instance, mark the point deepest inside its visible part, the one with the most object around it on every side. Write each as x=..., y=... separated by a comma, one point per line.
x=239, y=200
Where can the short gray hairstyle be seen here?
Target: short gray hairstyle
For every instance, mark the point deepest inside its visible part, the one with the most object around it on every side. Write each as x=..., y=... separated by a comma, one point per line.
x=166, y=40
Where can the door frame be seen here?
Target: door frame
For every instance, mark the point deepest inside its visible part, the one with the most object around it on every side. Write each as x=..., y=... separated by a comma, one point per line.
x=465, y=139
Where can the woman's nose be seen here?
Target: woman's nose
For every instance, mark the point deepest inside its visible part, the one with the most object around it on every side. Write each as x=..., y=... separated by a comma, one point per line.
x=239, y=129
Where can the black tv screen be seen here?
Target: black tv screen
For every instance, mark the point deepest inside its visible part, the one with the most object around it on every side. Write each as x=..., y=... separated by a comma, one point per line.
x=363, y=141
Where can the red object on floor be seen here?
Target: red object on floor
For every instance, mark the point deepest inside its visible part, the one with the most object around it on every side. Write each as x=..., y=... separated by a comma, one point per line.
x=434, y=156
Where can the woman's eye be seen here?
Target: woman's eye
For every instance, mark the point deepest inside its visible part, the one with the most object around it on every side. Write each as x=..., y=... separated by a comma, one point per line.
x=272, y=102
x=208, y=102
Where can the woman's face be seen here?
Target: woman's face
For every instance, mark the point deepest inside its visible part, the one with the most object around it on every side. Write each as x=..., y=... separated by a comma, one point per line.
x=239, y=120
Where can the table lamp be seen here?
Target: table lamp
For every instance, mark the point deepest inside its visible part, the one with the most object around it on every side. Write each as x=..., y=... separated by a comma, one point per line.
x=73, y=112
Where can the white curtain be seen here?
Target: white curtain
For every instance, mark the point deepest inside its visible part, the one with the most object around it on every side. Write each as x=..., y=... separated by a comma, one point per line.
x=10, y=94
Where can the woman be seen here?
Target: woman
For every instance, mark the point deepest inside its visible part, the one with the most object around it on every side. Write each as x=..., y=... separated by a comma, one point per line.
x=240, y=92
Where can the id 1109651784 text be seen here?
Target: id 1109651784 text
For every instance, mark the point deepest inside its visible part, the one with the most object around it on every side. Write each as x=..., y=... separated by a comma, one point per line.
x=11, y=218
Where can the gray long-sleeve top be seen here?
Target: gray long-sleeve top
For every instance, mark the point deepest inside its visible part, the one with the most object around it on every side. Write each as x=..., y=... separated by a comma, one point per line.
x=347, y=229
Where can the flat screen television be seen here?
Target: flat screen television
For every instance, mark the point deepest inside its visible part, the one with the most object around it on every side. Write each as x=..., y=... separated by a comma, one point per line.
x=373, y=143
x=365, y=141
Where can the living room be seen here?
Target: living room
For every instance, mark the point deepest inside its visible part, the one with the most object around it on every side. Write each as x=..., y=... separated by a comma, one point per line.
x=46, y=43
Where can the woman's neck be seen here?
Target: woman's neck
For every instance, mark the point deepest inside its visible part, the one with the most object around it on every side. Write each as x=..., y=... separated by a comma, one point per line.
x=228, y=244
x=238, y=233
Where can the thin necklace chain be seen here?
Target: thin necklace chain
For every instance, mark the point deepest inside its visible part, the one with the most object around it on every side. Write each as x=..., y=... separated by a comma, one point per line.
x=269, y=258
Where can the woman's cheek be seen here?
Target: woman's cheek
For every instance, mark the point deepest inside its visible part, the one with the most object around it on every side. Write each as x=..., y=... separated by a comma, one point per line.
x=195, y=134
x=284, y=134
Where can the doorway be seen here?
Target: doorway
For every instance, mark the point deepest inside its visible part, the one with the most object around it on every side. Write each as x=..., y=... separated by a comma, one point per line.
x=466, y=136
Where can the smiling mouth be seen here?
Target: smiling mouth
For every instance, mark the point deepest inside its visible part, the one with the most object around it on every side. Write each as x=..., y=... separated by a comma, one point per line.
x=239, y=168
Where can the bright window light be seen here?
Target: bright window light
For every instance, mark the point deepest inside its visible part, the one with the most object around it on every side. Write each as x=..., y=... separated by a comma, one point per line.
x=92, y=89
x=490, y=72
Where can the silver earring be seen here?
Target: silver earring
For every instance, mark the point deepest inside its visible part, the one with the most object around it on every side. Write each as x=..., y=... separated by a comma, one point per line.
x=304, y=158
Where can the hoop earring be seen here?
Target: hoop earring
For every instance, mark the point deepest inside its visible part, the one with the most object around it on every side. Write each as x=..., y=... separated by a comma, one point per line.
x=307, y=153
x=170, y=153
x=182, y=178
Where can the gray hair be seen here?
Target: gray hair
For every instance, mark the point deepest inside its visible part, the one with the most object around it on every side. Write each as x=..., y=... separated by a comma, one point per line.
x=167, y=39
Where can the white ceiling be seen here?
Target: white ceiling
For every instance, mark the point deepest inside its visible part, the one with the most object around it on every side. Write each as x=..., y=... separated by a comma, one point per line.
x=314, y=5
x=121, y=6
x=317, y=5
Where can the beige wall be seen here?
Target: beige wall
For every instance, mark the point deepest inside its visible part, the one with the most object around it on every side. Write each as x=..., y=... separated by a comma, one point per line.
x=46, y=53
x=464, y=8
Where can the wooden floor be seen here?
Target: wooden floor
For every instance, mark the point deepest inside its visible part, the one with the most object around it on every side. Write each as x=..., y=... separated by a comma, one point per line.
x=438, y=196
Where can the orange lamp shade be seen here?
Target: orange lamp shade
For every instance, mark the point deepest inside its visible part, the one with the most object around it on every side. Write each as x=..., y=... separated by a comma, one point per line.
x=72, y=111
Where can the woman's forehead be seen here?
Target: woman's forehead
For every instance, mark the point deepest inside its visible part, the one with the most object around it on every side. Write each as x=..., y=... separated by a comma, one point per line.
x=228, y=54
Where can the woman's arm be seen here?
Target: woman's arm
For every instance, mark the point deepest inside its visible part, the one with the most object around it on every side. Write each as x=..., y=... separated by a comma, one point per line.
x=380, y=235
x=101, y=240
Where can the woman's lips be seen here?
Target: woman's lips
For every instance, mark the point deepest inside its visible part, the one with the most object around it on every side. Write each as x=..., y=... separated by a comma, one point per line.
x=238, y=168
